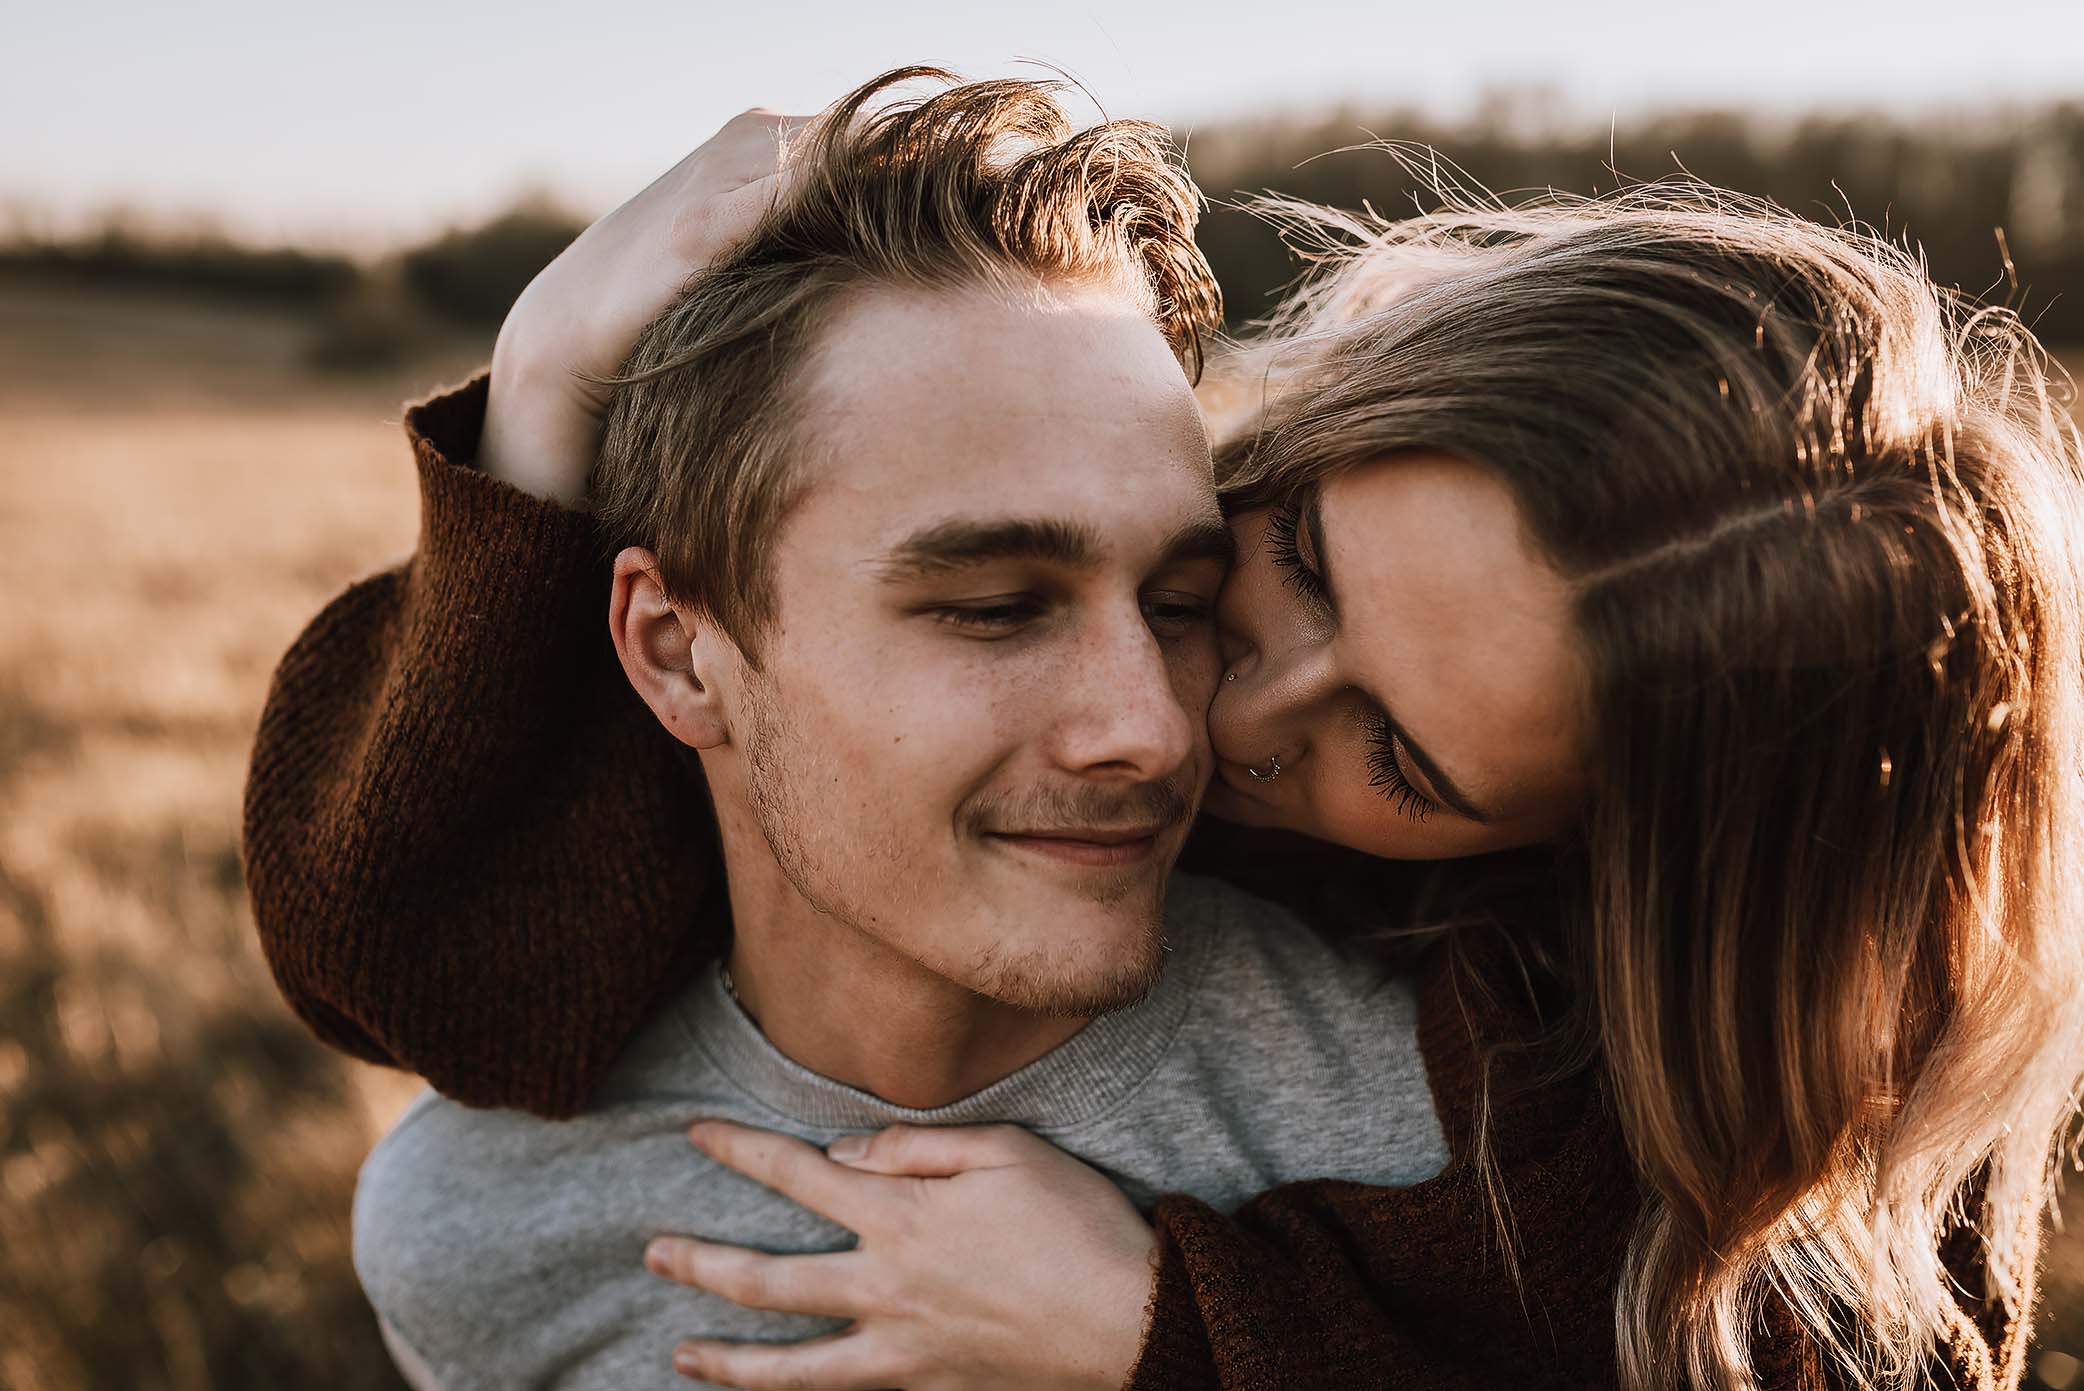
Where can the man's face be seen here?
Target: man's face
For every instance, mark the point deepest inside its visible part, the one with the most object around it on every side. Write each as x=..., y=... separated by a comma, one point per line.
x=977, y=730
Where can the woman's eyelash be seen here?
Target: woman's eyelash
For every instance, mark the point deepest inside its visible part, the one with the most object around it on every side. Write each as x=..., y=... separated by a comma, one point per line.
x=1384, y=773
x=1387, y=777
x=1286, y=555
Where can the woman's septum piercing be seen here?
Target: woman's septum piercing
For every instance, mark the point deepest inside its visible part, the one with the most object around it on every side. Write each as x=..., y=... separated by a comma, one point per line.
x=1273, y=771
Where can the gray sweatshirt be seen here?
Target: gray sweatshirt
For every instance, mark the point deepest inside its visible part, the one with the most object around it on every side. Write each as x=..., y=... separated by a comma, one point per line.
x=505, y=1251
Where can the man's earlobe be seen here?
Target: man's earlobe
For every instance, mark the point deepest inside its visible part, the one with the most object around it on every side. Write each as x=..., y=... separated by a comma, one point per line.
x=656, y=640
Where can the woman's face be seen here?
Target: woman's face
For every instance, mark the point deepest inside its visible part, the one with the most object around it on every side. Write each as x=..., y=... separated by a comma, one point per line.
x=1404, y=652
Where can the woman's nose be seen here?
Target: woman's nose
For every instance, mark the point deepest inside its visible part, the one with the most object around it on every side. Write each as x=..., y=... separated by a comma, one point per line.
x=1231, y=644
x=1240, y=610
x=1266, y=699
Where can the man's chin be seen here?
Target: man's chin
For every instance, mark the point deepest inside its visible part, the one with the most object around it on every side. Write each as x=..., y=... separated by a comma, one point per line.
x=1084, y=985
x=1074, y=939
x=1074, y=956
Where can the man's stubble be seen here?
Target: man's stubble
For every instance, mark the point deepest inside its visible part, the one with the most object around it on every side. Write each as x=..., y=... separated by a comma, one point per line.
x=808, y=846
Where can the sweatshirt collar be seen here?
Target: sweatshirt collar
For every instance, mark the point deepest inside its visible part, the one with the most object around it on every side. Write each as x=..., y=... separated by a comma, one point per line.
x=1088, y=1074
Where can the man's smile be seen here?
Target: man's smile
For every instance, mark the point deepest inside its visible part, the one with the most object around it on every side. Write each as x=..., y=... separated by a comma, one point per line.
x=1096, y=846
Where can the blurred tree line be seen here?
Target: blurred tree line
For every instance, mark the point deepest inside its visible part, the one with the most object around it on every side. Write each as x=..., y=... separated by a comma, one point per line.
x=1967, y=191
x=1970, y=191
x=121, y=256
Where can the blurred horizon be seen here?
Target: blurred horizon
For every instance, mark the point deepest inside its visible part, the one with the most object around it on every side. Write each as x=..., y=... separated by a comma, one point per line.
x=362, y=131
x=1992, y=200
x=1524, y=113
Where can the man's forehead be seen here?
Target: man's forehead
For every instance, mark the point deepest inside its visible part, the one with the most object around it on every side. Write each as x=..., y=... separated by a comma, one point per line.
x=921, y=385
x=967, y=413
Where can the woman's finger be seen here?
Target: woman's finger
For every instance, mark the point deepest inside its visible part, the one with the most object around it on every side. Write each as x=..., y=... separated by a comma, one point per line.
x=797, y=1171
x=846, y=1361
x=922, y=1151
x=705, y=230
x=749, y=146
x=829, y=1283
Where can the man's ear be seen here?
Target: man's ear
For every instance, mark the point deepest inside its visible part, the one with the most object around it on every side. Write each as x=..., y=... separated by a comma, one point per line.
x=656, y=644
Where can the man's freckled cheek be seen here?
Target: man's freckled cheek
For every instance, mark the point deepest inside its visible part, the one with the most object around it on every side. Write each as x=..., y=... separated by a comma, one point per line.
x=1195, y=670
x=915, y=717
x=1012, y=709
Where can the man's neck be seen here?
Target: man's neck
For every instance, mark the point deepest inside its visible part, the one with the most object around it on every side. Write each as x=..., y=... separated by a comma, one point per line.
x=835, y=1000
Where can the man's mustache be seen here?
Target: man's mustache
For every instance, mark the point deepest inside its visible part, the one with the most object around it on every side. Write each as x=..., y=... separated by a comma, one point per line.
x=1148, y=808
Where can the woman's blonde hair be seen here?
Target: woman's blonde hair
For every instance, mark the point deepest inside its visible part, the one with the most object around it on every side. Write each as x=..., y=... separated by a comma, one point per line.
x=1823, y=525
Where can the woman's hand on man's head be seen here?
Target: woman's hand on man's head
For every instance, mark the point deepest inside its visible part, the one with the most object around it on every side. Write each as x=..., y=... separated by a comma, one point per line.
x=988, y=1258
x=578, y=319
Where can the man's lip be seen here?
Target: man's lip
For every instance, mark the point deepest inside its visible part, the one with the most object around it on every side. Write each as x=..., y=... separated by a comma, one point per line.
x=1091, y=835
x=1087, y=847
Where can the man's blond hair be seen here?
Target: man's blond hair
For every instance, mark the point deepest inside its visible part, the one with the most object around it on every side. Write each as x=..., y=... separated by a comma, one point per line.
x=977, y=185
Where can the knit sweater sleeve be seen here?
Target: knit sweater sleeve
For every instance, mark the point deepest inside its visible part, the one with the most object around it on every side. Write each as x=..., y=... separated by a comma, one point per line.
x=1335, y=1284
x=1464, y=1281
x=471, y=851
x=1330, y=1283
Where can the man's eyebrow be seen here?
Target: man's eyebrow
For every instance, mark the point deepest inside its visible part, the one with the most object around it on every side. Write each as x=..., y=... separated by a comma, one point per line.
x=964, y=542
x=1313, y=525
x=1206, y=539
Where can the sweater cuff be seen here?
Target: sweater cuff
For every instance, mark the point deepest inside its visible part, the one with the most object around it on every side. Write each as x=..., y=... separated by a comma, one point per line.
x=479, y=530
x=450, y=421
x=1176, y=1354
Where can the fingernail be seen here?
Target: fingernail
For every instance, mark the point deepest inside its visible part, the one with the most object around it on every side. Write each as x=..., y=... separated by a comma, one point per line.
x=848, y=1148
x=694, y=1137
x=687, y=1361
x=658, y=1256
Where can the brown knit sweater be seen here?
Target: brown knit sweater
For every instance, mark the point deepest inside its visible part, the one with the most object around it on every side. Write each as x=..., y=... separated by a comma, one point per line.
x=474, y=854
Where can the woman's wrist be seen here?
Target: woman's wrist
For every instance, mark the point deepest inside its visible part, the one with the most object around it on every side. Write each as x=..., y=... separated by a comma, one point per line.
x=539, y=435
x=1131, y=1287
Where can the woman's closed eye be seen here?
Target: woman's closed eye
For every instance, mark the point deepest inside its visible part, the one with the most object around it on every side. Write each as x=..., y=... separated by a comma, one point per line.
x=1285, y=550
x=1386, y=773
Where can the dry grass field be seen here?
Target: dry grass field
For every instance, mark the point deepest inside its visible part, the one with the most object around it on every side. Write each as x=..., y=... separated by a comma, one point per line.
x=176, y=1156
x=177, y=497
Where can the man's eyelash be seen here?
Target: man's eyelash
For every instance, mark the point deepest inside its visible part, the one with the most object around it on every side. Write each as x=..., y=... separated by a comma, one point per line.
x=1286, y=555
x=1388, y=778
x=998, y=617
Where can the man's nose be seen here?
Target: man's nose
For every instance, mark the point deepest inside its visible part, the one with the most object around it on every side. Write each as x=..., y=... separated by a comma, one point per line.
x=1123, y=713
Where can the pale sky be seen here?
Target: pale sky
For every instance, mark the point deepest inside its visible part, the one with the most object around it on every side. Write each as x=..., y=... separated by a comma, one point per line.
x=360, y=125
